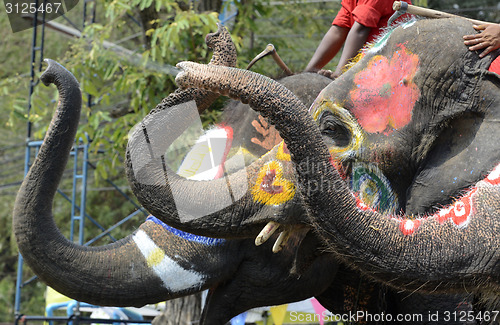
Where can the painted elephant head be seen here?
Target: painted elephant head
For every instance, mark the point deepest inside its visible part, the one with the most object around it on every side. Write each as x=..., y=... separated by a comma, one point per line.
x=412, y=128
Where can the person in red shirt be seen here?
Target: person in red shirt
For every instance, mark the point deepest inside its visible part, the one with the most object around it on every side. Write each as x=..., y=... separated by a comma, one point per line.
x=357, y=22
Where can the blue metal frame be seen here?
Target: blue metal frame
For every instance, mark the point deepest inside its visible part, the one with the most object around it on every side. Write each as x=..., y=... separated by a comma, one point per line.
x=78, y=212
x=79, y=191
x=229, y=11
x=82, y=177
x=72, y=304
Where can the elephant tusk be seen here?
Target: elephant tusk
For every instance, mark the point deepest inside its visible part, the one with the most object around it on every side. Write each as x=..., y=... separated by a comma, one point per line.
x=266, y=232
x=281, y=241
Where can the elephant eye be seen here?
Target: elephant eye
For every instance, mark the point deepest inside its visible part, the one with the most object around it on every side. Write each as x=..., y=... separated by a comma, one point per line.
x=334, y=130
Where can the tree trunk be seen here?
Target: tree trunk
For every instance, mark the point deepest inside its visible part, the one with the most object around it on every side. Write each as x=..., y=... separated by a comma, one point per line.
x=149, y=17
x=181, y=311
x=210, y=5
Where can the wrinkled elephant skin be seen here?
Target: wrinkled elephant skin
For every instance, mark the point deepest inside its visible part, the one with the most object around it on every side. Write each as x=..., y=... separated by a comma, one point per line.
x=239, y=275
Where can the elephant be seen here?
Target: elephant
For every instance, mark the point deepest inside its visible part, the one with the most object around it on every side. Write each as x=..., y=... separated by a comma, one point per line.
x=224, y=279
x=232, y=270
x=411, y=127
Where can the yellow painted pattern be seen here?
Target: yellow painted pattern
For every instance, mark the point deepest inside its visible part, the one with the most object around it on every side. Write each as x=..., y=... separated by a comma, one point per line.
x=346, y=119
x=356, y=59
x=174, y=277
x=155, y=257
x=271, y=188
x=281, y=154
x=278, y=313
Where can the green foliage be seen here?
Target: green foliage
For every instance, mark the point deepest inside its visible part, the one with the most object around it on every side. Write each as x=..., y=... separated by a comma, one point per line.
x=126, y=81
x=295, y=28
x=420, y=3
x=138, y=80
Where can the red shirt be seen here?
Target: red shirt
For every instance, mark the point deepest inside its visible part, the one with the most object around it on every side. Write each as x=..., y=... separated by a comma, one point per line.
x=369, y=13
x=495, y=65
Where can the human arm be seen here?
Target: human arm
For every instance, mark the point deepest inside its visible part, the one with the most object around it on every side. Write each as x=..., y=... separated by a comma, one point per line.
x=328, y=47
x=488, y=39
x=356, y=39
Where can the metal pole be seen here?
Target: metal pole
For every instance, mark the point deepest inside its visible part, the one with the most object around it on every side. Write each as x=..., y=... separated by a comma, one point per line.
x=83, y=193
x=27, y=156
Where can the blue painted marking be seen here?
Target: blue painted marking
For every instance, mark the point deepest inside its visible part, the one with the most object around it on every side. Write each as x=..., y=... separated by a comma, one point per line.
x=187, y=236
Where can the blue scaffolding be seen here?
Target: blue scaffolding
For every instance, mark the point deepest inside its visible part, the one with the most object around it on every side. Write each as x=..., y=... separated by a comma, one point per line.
x=78, y=198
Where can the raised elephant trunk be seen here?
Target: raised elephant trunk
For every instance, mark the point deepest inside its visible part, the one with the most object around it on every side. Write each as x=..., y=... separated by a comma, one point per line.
x=139, y=269
x=95, y=275
x=182, y=203
x=439, y=256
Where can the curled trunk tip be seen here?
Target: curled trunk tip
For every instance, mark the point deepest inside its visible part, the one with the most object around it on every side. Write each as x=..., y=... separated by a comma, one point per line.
x=57, y=74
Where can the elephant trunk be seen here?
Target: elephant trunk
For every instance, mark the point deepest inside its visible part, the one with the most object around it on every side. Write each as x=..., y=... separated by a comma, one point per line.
x=278, y=104
x=268, y=97
x=437, y=251
x=131, y=272
x=224, y=53
x=182, y=203
x=192, y=205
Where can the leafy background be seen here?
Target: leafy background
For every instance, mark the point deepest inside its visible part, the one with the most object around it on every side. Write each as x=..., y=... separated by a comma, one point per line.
x=123, y=87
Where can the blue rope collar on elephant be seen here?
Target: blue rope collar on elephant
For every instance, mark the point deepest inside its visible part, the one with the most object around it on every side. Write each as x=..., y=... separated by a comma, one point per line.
x=187, y=236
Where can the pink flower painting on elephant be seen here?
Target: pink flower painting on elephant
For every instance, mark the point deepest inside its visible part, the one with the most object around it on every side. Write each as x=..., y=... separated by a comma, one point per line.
x=384, y=93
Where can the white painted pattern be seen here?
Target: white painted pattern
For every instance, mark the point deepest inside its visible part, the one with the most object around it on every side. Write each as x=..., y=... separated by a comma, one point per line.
x=205, y=161
x=495, y=174
x=381, y=41
x=175, y=278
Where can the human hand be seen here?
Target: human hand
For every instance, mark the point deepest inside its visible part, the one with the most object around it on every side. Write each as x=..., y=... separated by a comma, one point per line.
x=327, y=73
x=270, y=136
x=488, y=39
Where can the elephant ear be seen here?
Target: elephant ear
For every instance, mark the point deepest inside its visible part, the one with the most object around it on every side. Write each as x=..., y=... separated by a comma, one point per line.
x=465, y=150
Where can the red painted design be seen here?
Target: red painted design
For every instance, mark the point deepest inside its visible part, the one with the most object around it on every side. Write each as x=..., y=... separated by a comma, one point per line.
x=362, y=205
x=384, y=93
x=339, y=167
x=494, y=177
x=408, y=226
x=267, y=183
x=459, y=212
